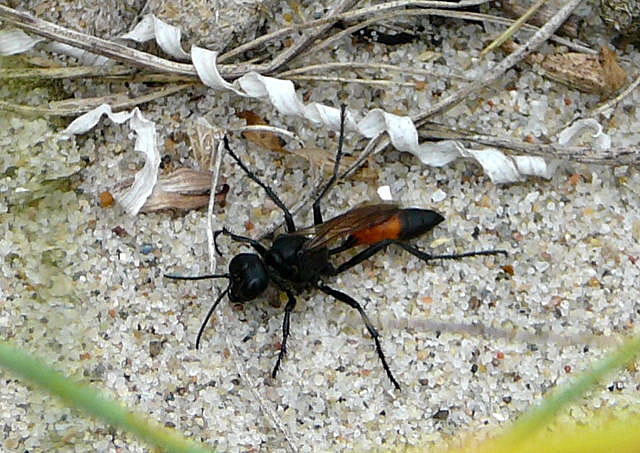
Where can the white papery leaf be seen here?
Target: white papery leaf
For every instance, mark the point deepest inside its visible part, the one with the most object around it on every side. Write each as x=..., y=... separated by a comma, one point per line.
x=132, y=199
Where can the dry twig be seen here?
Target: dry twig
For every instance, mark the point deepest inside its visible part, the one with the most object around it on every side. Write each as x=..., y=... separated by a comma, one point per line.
x=513, y=28
x=141, y=59
x=536, y=41
x=144, y=60
x=373, y=66
x=75, y=107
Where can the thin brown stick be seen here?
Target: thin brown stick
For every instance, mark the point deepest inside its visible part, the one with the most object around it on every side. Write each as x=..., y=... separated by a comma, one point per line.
x=509, y=61
x=92, y=44
x=107, y=73
x=372, y=66
x=144, y=60
x=355, y=14
x=373, y=82
x=620, y=155
x=64, y=73
x=76, y=107
x=513, y=28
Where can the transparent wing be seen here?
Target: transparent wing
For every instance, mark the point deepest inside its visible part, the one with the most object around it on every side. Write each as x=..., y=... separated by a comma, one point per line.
x=354, y=220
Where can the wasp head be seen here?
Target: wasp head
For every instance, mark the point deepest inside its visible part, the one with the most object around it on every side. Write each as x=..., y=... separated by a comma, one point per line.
x=248, y=277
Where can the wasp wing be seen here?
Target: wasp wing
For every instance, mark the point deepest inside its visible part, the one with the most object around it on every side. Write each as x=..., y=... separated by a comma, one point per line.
x=354, y=220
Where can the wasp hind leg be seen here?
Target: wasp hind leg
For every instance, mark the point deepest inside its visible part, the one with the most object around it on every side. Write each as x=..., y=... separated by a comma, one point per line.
x=350, y=301
x=415, y=251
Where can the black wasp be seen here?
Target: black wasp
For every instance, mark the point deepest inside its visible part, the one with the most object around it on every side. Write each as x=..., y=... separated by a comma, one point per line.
x=299, y=259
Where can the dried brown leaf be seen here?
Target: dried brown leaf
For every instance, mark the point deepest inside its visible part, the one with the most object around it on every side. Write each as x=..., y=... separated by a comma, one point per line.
x=325, y=160
x=599, y=74
x=263, y=139
x=184, y=189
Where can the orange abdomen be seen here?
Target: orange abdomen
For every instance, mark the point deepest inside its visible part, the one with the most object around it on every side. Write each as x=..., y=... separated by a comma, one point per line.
x=405, y=224
x=389, y=229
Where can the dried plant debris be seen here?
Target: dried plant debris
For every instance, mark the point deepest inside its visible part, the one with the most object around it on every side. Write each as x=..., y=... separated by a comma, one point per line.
x=623, y=16
x=325, y=160
x=516, y=8
x=401, y=130
x=592, y=74
x=214, y=24
x=103, y=18
x=598, y=74
x=263, y=139
x=184, y=189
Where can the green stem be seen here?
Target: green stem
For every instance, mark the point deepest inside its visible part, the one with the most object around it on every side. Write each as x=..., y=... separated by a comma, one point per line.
x=84, y=398
x=537, y=418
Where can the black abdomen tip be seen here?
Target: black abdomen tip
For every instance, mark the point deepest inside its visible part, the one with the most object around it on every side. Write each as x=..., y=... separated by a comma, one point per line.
x=416, y=222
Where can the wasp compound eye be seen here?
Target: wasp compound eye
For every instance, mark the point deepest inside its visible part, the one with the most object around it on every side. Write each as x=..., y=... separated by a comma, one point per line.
x=249, y=277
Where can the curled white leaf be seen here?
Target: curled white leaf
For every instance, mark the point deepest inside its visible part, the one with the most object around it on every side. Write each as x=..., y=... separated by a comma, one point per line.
x=402, y=132
x=145, y=179
x=16, y=41
x=84, y=57
x=439, y=154
x=535, y=166
x=167, y=36
x=498, y=166
x=204, y=62
x=502, y=168
x=134, y=198
x=602, y=141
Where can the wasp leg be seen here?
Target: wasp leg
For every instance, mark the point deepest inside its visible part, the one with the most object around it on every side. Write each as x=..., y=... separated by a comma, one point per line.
x=317, y=215
x=288, y=219
x=426, y=257
x=350, y=301
x=346, y=245
x=363, y=255
x=455, y=256
x=291, y=304
x=235, y=237
x=215, y=241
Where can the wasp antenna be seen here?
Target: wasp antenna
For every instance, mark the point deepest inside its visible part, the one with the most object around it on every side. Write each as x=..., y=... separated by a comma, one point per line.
x=196, y=277
x=317, y=215
x=206, y=319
